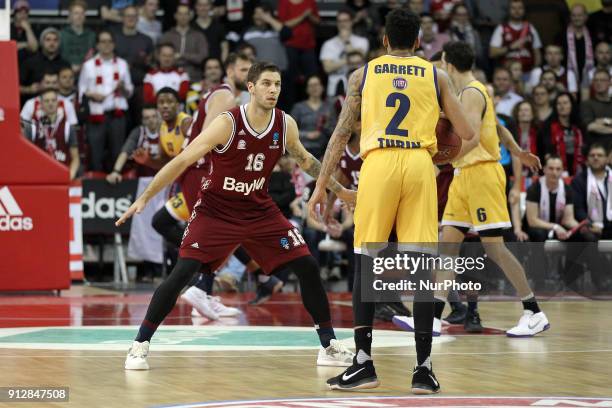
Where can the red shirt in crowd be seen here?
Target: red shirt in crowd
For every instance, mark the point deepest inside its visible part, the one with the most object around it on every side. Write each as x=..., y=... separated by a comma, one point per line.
x=303, y=34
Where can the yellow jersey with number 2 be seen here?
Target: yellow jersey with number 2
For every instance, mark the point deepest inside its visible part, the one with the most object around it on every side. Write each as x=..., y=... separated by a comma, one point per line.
x=400, y=104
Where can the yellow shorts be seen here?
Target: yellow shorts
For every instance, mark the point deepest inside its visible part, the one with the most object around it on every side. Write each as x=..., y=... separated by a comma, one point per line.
x=397, y=188
x=477, y=198
x=177, y=207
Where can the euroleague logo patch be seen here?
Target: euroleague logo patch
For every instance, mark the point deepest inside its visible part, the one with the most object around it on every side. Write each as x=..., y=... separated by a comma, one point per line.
x=400, y=83
x=284, y=242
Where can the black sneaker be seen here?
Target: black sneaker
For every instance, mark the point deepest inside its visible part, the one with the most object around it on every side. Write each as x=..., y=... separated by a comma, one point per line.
x=457, y=315
x=424, y=381
x=400, y=309
x=472, y=322
x=384, y=312
x=356, y=377
x=265, y=290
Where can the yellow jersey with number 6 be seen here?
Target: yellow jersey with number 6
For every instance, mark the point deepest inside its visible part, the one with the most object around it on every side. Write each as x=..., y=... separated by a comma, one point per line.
x=400, y=104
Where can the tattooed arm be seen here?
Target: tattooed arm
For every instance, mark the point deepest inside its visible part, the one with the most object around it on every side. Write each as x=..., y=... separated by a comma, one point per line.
x=351, y=109
x=306, y=161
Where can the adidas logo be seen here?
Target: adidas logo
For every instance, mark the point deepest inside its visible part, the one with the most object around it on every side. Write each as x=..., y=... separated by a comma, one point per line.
x=11, y=216
x=241, y=133
x=195, y=245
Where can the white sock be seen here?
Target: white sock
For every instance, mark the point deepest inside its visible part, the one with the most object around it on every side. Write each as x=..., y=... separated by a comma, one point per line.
x=362, y=357
x=427, y=363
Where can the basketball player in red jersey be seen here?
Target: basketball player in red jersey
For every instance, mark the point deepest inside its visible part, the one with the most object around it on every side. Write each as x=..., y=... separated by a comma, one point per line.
x=235, y=209
x=167, y=221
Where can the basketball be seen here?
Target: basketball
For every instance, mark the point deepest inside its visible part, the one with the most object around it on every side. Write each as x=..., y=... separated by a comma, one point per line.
x=449, y=143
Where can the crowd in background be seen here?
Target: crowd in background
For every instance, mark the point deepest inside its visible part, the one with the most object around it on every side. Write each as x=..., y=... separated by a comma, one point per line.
x=85, y=85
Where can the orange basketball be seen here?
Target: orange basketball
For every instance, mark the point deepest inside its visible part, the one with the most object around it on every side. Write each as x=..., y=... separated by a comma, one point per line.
x=449, y=143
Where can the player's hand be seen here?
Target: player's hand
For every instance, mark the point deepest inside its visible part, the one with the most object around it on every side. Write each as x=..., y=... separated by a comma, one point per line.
x=141, y=156
x=317, y=204
x=334, y=228
x=114, y=177
x=562, y=233
x=531, y=161
x=521, y=236
x=349, y=197
x=136, y=208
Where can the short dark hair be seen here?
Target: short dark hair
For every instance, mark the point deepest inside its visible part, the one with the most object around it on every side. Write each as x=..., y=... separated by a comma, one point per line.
x=62, y=69
x=159, y=46
x=48, y=90
x=235, y=56
x=259, y=68
x=552, y=156
x=148, y=106
x=502, y=68
x=168, y=90
x=104, y=31
x=597, y=145
x=436, y=57
x=402, y=28
x=212, y=59
x=460, y=54
x=601, y=71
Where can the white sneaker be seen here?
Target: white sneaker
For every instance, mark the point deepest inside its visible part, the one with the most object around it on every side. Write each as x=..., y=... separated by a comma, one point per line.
x=221, y=309
x=137, y=356
x=199, y=300
x=529, y=325
x=407, y=323
x=335, y=355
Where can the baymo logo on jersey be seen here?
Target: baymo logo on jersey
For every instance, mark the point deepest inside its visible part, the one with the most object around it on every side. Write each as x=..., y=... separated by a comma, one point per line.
x=107, y=207
x=11, y=216
x=230, y=184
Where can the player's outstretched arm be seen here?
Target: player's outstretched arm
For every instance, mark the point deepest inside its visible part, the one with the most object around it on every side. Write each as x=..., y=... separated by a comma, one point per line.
x=218, y=133
x=453, y=110
x=349, y=115
x=526, y=158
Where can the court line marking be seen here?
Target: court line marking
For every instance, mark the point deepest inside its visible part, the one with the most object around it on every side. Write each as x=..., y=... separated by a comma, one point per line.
x=386, y=397
x=182, y=355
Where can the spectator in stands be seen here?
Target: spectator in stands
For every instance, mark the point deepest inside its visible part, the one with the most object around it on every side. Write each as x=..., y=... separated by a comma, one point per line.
x=431, y=41
x=527, y=137
x=600, y=22
x=54, y=134
x=21, y=30
x=235, y=16
x=603, y=59
x=596, y=113
x=502, y=83
x=213, y=30
x=517, y=39
x=548, y=79
x=266, y=35
x=334, y=51
x=541, y=104
x=301, y=16
x=561, y=134
x=593, y=202
x=441, y=10
x=142, y=141
x=486, y=16
x=77, y=41
x=148, y=24
x=110, y=11
x=516, y=76
x=190, y=45
x=66, y=88
x=166, y=75
x=550, y=204
x=133, y=46
x=47, y=59
x=461, y=29
x=314, y=118
x=106, y=83
x=213, y=74
x=366, y=22
x=577, y=44
x=554, y=62
x=32, y=108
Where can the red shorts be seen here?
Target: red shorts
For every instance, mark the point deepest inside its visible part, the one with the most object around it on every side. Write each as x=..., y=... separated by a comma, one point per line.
x=272, y=241
x=191, y=185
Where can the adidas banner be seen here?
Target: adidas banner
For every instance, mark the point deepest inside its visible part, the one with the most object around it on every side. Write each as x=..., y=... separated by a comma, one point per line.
x=104, y=203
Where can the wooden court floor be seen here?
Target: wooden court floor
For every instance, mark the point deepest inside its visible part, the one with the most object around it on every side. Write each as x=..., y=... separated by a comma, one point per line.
x=574, y=358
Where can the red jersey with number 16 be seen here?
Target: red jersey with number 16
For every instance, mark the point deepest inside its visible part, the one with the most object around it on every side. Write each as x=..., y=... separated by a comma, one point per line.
x=237, y=185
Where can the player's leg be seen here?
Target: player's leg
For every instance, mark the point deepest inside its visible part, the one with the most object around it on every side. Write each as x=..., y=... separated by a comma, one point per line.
x=277, y=245
x=161, y=304
x=490, y=216
x=377, y=201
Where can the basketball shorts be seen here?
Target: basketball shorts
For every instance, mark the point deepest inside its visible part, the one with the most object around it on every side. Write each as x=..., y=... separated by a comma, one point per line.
x=181, y=204
x=397, y=188
x=477, y=198
x=177, y=207
x=272, y=241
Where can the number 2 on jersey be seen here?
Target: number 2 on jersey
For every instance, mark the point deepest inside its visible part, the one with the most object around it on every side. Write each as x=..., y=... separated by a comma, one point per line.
x=400, y=113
